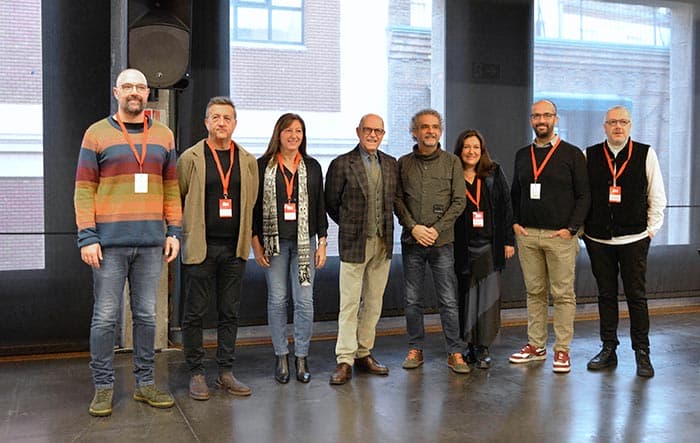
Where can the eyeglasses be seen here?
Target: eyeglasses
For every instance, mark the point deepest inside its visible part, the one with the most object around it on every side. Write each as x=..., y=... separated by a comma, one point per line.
x=369, y=131
x=621, y=122
x=128, y=87
x=546, y=116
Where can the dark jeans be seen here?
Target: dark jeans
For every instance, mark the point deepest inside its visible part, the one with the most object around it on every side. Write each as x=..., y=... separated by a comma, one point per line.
x=219, y=275
x=441, y=262
x=630, y=261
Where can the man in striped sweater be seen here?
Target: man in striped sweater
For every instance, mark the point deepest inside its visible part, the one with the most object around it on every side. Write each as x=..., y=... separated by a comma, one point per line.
x=128, y=212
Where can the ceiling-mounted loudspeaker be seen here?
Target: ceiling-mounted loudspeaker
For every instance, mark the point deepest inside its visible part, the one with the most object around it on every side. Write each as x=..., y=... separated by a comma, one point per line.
x=159, y=41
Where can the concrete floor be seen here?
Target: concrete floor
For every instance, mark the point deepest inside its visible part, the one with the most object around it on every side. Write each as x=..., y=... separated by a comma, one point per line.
x=46, y=400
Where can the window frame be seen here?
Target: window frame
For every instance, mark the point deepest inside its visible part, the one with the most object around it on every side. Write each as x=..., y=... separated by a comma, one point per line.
x=269, y=7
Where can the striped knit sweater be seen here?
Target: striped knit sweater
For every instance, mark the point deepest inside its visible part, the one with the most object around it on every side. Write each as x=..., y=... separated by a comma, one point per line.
x=107, y=210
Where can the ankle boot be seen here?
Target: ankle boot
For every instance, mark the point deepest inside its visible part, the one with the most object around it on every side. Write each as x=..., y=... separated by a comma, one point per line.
x=282, y=368
x=303, y=374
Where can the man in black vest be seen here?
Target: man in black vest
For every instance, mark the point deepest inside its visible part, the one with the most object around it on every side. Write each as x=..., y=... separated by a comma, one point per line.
x=628, y=200
x=627, y=206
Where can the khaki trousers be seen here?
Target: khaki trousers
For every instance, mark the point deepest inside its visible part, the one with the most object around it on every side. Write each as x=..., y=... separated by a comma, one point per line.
x=361, y=295
x=548, y=266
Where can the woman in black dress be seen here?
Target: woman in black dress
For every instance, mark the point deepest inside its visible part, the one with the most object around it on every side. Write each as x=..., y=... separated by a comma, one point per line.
x=483, y=242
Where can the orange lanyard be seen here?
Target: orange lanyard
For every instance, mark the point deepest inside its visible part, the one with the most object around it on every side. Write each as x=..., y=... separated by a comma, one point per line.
x=535, y=170
x=478, y=194
x=225, y=179
x=617, y=175
x=144, y=145
x=289, y=182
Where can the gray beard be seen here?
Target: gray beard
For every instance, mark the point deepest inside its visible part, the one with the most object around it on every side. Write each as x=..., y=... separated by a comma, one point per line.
x=133, y=112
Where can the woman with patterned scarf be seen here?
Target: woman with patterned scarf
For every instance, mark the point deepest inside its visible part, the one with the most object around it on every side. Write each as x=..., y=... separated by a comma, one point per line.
x=289, y=216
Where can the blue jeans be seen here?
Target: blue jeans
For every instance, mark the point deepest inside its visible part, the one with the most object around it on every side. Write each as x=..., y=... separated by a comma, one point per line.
x=283, y=273
x=142, y=266
x=441, y=261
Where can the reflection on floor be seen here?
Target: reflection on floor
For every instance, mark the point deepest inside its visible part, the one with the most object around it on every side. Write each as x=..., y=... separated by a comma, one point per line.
x=47, y=400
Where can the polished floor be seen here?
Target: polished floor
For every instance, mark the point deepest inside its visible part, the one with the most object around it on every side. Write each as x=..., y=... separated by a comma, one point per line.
x=46, y=400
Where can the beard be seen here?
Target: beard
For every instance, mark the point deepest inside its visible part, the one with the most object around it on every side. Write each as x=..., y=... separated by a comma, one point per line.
x=430, y=142
x=544, y=132
x=133, y=106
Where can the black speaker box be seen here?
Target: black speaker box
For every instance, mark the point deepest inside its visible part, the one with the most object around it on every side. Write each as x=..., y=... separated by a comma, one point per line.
x=159, y=40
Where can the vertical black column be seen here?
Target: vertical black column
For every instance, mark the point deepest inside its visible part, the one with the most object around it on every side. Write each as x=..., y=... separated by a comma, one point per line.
x=488, y=72
x=210, y=68
x=76, y=92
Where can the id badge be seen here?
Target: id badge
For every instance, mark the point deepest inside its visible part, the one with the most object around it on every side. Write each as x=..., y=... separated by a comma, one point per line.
x=225, y=208
x=535, y=189
x=615, y=194
x=477, y=219
x=140, y=183
x=290, y=211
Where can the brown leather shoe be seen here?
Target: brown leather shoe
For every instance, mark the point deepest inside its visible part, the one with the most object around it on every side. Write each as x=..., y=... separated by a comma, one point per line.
x=369, y=364
x=232, y=385
x=198, y=387
x=343, y=373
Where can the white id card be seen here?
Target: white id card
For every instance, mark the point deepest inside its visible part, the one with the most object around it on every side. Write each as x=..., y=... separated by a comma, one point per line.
x=290, y=211
x=477, y=219
x=615, y=195
x=535, y=189
x=225, y=208
x=140, y=183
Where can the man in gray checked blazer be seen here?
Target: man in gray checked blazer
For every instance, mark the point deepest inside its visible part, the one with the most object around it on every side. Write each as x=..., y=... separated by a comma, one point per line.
x=361, y=188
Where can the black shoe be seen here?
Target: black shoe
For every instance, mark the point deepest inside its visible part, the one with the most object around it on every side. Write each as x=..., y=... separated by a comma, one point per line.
x=606, y=358
x=644, y=367
x=303, y=374
x=470, y=355
x=483, y=359
x=282, y=368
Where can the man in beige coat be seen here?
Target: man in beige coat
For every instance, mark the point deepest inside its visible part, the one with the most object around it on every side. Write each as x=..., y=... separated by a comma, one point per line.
x=219, y=186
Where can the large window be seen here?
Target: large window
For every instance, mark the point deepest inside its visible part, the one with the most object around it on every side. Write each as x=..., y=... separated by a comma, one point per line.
x=21, y=144
x=603, y=22
x=592, y=55
x=358, y=57
x=273, y=21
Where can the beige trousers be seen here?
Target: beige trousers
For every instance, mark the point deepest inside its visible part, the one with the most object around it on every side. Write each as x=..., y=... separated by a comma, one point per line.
x=548, y=266
x=361, y=295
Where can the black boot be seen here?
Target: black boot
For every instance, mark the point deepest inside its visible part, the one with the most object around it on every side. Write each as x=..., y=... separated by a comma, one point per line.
x=483, y=359
x=282, y=368
x=606, y=358
x=303, y=374
x=470, y=356
x=644, y=367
